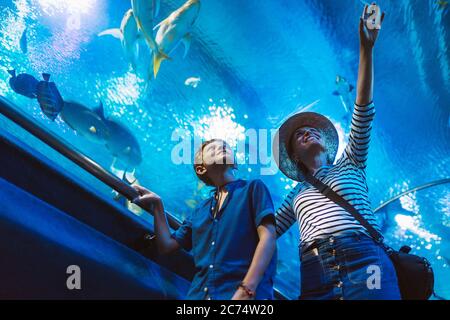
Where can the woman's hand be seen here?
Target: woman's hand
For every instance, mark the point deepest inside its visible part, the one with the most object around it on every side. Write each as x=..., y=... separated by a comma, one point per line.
x=148, y=199
x=367, y=37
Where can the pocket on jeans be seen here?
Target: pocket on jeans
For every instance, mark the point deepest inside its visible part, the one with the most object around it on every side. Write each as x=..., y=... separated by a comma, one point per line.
x=313, y=276
x=361, y=262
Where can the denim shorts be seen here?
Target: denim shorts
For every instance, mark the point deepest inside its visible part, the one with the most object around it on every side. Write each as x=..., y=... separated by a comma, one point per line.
x=347, y=267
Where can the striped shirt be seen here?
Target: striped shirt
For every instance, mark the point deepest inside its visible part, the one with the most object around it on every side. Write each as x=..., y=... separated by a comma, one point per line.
x=319, y=217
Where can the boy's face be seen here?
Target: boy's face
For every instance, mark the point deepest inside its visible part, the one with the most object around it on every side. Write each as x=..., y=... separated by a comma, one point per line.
x=217, y=152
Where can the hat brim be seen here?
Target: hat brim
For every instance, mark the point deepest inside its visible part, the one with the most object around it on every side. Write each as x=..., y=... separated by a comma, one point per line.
x=283, y=138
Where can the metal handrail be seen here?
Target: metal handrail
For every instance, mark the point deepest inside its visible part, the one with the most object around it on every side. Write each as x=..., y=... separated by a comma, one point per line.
x=424, y=186
x=9, y=110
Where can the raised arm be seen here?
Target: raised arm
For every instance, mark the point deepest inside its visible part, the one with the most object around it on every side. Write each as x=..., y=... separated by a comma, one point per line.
x=364, y=110
x=367, y=38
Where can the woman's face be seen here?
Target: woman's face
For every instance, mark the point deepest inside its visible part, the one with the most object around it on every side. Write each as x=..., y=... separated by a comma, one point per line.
x=306, y=141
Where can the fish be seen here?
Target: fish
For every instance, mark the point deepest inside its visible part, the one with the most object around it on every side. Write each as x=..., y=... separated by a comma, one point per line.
x=128, y=34
x=343, y=91
x=192, y=82
x=144, y=68
x=88, y=123
x=23, y=41
x=49, y=98
x=122, y=144
x=145, y=11
x=23, y=84
x=173, y=30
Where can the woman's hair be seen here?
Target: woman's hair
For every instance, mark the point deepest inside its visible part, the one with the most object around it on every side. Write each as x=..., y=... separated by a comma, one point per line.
x=198, y=160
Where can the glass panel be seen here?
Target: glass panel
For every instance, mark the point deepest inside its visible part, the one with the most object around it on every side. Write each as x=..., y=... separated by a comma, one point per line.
x=250, y=65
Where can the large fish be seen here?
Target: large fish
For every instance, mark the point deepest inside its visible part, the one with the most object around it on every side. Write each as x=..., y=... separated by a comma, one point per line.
x=88, y=123
x=128, y=35
x=175, y=29
x=49, y=97
x=23, y=41
x=145, y=11
x=23, y=84
x=144, y=67
x=123, y=145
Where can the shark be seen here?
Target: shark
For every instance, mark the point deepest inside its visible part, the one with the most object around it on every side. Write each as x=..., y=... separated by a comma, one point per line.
x=128, y=34
x=173, y=30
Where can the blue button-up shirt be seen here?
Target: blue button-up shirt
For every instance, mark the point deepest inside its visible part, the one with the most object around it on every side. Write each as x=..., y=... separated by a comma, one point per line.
x=223, y=247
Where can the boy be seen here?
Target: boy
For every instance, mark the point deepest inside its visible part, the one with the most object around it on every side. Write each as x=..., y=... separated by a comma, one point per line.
x=231, y=234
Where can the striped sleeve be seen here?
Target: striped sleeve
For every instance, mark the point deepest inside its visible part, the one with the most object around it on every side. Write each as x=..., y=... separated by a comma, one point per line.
x=285, y=216
x=358, y=146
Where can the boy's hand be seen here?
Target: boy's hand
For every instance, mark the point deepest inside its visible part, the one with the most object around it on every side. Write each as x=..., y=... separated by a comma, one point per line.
x=148, y=199
x=368, y=37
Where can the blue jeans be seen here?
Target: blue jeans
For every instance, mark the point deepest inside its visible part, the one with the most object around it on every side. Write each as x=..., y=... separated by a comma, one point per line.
x=347, y=267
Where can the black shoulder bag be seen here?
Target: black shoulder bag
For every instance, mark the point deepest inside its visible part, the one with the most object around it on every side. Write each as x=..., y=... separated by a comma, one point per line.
x=415, y=275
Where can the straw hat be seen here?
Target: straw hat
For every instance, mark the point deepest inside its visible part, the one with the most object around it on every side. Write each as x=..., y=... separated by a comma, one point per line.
x=281, y=146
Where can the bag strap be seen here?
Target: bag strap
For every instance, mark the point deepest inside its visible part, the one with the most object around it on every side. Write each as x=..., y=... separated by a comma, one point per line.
x=336, y=198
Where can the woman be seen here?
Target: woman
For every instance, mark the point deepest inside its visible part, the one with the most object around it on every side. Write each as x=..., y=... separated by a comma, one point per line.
x=339, y=260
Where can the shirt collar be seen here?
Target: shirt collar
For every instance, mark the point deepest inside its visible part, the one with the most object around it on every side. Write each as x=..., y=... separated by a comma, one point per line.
x=230, y=186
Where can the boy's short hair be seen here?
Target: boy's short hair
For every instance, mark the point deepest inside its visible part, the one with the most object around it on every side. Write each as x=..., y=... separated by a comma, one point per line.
x=198, y=160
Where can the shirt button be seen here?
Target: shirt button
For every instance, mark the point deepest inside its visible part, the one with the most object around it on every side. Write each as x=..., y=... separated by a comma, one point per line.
x=213, y=243
x=339, y=284
x=211, y=266
x=205, y=289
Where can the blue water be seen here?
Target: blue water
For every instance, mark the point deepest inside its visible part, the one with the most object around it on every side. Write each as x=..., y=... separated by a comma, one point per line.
x=258, y=62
